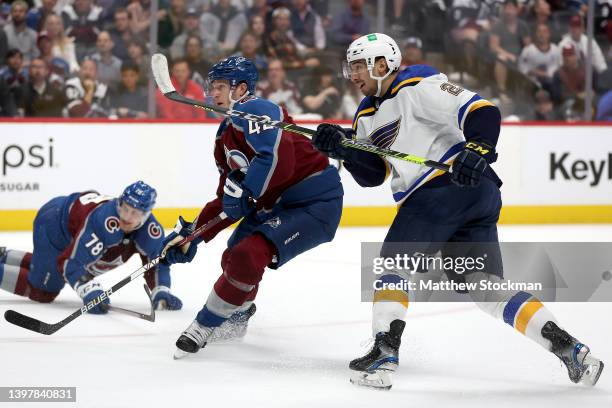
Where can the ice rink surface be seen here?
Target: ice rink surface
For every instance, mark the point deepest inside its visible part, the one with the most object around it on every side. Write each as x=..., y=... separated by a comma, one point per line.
x=310, y=323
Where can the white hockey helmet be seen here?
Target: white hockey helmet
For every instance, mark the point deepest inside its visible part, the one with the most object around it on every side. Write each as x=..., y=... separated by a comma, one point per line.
x=369, y=47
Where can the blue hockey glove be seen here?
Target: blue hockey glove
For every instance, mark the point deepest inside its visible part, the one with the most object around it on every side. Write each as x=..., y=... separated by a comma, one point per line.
x=88, y=289
x=164, y=300
x=171, y=253
x=237, y=200
x=471, y=163
x=328, y=140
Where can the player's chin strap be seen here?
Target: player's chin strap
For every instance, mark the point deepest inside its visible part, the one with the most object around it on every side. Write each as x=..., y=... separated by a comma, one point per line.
x=233, y=101
x=379, y=80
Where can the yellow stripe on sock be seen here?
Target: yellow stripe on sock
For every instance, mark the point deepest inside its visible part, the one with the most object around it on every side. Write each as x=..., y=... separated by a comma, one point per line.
x=386, y=295
x=526, y=313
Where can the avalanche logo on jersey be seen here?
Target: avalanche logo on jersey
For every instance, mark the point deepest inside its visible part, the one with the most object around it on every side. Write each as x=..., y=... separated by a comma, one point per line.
x=385, y=135
x=154, y=230
x=236, y=159
x=111, y=224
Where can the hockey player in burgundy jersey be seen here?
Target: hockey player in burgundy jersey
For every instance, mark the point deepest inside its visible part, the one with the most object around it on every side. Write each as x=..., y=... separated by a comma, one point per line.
x=83, y=235
x=288, y=196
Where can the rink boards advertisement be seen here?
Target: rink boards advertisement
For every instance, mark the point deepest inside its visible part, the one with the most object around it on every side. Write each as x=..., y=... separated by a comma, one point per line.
x=551, y=174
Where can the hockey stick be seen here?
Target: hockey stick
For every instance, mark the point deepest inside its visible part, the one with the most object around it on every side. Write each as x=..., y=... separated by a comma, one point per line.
x=159, y=66
x=38, y=326
x=150, y=317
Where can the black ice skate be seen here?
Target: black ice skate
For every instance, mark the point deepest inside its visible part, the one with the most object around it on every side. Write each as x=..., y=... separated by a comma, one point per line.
x=2, y=255
x=582, y=367
x=235, y=327
x=375, y=368
x=192, y=340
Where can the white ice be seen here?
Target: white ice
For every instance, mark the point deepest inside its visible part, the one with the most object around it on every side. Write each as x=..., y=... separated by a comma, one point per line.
x=310, y=323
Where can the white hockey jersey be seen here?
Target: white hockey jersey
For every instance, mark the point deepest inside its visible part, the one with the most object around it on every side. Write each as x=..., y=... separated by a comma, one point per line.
x=421, y=114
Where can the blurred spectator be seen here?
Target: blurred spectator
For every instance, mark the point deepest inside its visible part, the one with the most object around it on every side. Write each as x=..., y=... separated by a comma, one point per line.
x=282, y=44
x=198, y=66
x=350, y=101
x=85, y=95
x=82, y=21
x=508, y=37
x=468, y=19
x=604, y=108
x=191, y=26
x=36, y=17
x=544, y=107
x=130, y=99
x=249, y=48
x=7, y=103
x=166, y=109
x=258, y=8
x=140, y=16
x=580, y=41
x=325, y=97
x=121, y=34
x=109, y=8
x=14, y=73
x=349, y=24
x=62, y=45
x=109, y=66
x=542, y=14
x=223, y=24
x=41, y=98
x=171, y=24
x=569, y=80
x=278, y=89
x=541, y=59
x=306, y=26
x=56, y=65
x=18, y=34
x=138, y=55
x=412, y=53
x=257, y=25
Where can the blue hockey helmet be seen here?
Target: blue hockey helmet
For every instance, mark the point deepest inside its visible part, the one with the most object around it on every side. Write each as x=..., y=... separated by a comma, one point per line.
x=139, y=195
x=235, y=70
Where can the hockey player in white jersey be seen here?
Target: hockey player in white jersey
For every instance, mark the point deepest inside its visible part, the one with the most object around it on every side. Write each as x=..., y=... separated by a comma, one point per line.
x=419, y=111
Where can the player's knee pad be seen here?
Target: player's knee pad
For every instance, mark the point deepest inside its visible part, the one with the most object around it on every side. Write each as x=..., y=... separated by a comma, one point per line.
x=247, y=259
x=41, y=296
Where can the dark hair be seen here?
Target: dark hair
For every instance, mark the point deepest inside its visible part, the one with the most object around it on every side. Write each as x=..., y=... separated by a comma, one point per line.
x=513, y=2
x=130, y=66
x=179, y=61
x=12, y=52
x=122, y=10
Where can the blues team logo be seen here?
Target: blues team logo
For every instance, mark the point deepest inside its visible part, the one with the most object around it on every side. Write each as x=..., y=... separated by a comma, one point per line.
x=385, y=135
x=236, y=159
x=154, y=230
x=111, y=224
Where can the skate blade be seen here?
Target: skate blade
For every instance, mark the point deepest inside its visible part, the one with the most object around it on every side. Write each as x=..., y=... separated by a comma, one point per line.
x=179, y=354
x=592, y=374
x=379, y=379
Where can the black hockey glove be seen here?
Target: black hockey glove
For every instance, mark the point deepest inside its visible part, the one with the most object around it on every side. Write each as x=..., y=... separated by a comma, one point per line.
x=471, y=163
x=328, y=140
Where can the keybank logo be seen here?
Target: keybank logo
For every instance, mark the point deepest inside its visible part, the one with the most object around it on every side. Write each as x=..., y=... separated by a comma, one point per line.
x=17, y=156
x=563, y=166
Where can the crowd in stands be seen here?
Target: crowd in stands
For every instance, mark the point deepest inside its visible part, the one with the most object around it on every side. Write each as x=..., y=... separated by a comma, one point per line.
x=90, y=58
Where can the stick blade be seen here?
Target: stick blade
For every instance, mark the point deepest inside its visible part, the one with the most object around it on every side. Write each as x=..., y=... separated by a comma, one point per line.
x=29, y=323
x=159, y=66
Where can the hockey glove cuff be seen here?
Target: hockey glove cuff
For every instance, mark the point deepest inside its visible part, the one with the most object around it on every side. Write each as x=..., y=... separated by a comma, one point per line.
x=88, y=289
x=164, y=300
x=237, y=201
